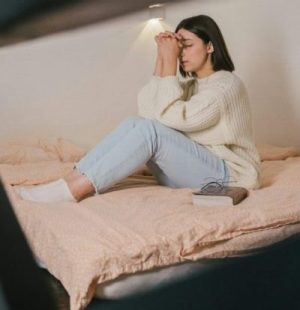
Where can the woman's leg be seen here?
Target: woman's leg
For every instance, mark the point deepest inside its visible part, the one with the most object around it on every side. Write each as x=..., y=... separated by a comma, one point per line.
x=79, y=185
x=109, y=141
x=180, y=162
x=174, y=159
x=75, y=186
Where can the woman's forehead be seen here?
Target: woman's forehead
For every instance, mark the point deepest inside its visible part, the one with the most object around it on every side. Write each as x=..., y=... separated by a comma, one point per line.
x=186, y=35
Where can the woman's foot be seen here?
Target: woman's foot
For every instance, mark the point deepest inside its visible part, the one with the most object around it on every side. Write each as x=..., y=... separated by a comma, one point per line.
x=79, y=185
x=56, y=191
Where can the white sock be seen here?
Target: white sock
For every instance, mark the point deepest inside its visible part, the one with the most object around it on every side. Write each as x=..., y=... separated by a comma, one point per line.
x=52, y=192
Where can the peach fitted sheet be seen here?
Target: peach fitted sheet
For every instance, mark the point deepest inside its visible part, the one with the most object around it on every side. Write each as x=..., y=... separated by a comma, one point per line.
x=138, y=225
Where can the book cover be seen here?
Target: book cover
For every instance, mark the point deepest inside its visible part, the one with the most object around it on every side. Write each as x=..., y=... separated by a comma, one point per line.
x=219, y=195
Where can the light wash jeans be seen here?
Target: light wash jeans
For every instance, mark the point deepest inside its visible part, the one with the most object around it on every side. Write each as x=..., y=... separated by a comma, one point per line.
x=174, y=159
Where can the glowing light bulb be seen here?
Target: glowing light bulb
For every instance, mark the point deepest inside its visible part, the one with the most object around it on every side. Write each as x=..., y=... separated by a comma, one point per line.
x=157, y=11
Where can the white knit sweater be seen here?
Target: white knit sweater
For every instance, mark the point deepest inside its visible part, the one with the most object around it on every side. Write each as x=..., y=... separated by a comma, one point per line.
x=213, y=111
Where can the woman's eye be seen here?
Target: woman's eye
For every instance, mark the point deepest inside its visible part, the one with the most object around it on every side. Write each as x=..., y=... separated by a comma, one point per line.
x=185, y=46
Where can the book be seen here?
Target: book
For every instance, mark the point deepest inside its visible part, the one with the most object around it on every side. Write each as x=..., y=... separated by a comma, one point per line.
x=219, y=195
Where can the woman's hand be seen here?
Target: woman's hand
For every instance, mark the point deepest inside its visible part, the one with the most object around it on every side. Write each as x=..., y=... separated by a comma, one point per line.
x=169, y=45
x=168, y=50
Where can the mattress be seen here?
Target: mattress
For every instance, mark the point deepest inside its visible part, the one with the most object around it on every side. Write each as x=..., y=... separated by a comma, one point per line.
x=141, y=282
x=138, y=226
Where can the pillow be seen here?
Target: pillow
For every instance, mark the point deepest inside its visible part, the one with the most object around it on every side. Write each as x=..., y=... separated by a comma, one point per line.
x=37, y=149
x=273, y=152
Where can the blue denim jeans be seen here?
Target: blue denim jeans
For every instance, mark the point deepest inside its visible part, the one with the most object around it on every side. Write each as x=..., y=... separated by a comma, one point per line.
x=175, y=160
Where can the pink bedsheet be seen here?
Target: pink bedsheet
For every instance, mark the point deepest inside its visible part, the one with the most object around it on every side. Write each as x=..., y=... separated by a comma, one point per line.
x=139, y=225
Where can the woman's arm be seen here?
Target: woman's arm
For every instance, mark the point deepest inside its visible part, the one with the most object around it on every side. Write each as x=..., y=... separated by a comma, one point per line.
x=168, y=51
x=159, y=61
x=158, y=66
x=166, y=65
x=169, y=66
x=181, y=108
x=146, y=98
x=200, y=112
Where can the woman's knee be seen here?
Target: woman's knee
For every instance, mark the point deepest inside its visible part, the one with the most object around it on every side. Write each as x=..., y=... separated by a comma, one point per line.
x=133, y=120
x=149, y=128
x=154, y=127
x=146, y=126
x=129, y=123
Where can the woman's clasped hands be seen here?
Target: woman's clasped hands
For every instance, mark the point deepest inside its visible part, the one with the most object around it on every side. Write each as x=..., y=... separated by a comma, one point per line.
x=169, y=44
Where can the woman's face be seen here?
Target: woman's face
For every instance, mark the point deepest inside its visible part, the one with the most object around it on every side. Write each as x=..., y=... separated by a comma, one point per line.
x=195, y=55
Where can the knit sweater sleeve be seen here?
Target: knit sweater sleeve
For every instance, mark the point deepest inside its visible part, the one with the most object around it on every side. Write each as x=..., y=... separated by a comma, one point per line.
x=146, y=98
x=199, y=112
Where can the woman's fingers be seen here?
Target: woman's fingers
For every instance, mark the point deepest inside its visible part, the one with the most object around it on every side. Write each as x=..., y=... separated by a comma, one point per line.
x=170, y=34
x=167, y=34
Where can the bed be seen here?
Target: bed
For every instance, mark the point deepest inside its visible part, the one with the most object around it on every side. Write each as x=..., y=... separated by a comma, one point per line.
x=138, y=228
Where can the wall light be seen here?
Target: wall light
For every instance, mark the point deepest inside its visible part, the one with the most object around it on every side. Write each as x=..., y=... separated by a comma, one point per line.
x=157, y=11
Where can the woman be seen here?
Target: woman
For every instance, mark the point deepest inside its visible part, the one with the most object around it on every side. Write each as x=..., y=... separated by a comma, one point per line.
x=188, y=133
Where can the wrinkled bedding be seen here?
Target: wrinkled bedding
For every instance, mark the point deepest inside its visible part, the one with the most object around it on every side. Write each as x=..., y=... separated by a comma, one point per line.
x=138, y=225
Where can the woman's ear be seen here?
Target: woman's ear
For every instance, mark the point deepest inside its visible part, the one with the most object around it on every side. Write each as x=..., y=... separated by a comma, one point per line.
x=210, y=47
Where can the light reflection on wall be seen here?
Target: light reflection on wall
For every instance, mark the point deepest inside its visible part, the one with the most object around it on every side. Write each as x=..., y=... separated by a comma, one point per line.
x=150, y=29
x=144, y=46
